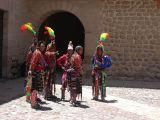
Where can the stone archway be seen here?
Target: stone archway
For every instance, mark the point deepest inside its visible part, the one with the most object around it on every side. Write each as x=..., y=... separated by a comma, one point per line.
x=67, y=28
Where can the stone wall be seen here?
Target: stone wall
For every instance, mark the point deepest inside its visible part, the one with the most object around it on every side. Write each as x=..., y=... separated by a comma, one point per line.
x=134, y=28
x=14, y=15
x=88, y=11
x=9, y=43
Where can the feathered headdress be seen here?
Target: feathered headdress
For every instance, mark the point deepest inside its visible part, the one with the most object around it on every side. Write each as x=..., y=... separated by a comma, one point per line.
x=107, y=61
x=104, y=37
x=29, y=27
x=50, y=32
x=103, y=40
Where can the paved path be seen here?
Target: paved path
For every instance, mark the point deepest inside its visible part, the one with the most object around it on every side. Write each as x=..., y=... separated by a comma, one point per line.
x=120, y=104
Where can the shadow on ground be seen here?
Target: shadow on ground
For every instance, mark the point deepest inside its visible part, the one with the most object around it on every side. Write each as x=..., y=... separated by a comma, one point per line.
x=112, y=82
x=134, y=84
x=108, y=101
x=43, y=108
x=83, y=106
x=11, y=90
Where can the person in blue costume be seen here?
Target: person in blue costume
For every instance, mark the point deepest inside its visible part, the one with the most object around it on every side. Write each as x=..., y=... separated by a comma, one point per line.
x=100, y=62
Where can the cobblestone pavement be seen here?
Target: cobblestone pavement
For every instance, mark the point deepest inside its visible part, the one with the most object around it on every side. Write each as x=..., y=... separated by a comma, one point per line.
x=120, y=104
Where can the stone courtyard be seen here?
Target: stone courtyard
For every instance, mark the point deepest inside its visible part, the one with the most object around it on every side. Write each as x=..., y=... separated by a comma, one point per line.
x=121, y=104
x=133, y=88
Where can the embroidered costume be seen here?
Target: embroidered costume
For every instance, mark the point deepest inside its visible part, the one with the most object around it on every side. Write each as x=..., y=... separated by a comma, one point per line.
x=50, y=57
x=28, y=81
x=65, y=63
x=75, y=83
x=100, y=62
x=37, y=67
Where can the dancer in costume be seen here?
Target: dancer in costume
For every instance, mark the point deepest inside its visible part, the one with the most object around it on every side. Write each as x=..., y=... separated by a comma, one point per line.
x=37, y=70
x=32, y=48
x=28, y=80
x=50, y=57
x=65, y=63
x=76, y=75
x=100, y=62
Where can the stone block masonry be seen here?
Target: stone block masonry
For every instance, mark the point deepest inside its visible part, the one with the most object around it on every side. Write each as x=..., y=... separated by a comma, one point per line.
x=134, y=28
x=133, y=25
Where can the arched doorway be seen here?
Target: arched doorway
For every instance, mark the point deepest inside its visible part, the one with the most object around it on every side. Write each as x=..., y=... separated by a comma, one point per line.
x=67, y=28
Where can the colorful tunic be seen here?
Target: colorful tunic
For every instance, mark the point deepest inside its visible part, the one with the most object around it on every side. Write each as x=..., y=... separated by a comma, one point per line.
x=99, y=77
x=28, y=80
x=50, y=58
x=64, y=62
x=76, y=74
x=31, y=50
x=38, y=66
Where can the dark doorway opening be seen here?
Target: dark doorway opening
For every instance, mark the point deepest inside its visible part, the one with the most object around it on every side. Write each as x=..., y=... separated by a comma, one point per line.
x=67, y=28
x=1, y=40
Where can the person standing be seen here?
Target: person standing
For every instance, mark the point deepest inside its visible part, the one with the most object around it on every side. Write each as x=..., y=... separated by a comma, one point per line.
x=27, y=83
x=65, y=63
x=37, y=71
x=97, y=73
x=50, y=57
x=76, y=75
x=100, y=62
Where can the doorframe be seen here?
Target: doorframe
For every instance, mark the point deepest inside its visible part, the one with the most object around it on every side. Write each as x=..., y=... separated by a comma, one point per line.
x=65, y=11
x=1, y=41
x=5, y=45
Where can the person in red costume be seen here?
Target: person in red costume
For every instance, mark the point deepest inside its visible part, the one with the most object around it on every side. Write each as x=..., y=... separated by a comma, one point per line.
x=37, y=71
x=76, y=75
x=27, y=82
x=65, y=63
x=31, y=50
x=50, y=57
